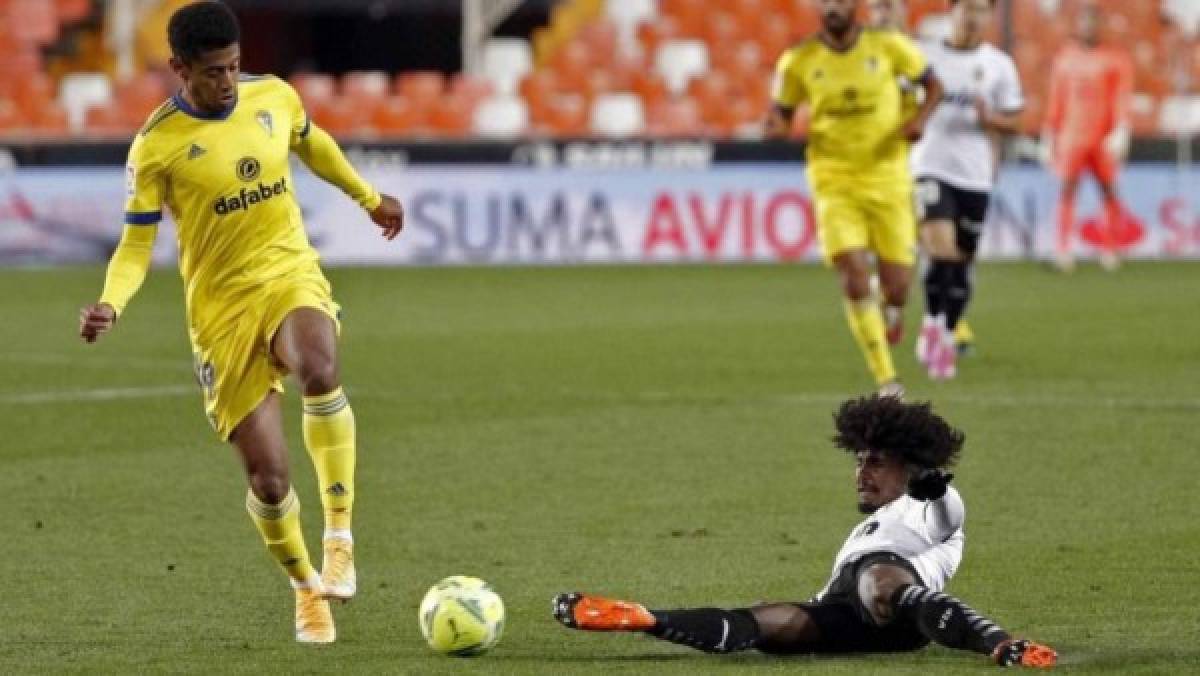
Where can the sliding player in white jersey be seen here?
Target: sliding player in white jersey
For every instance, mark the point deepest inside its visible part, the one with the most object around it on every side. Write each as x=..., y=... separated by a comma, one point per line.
x=955, y=168
x=885, y=593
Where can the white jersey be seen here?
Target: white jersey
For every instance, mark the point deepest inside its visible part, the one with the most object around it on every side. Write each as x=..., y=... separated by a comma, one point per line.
x=954, y=148
x=929, y=535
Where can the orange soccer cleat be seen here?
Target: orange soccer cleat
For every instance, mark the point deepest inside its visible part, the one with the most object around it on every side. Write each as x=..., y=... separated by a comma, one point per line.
x=593, y=613
x=1025, y=653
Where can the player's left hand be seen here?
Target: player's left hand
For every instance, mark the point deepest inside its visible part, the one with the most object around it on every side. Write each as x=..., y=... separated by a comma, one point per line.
x=929, y=484
x=389, y=215
x=914, y=129
x=984, y=115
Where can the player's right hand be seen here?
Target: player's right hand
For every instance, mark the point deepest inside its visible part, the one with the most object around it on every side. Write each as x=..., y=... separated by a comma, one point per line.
x=95, y=320
x=929, y=484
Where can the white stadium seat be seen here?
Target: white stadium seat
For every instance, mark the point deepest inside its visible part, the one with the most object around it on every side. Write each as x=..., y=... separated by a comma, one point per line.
x=678, y=61
x=501, y=117
x=1180, y=114
x=626, y=15
x=505, y=62
x=80, y=91
x=618, y=115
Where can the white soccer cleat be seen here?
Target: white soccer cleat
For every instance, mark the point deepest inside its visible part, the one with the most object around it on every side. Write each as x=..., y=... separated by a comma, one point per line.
x=892, y=388
x=1064, y=263
x=314, y=620
x=1109, y=261
x=338, y=576
x=927, y=340
x=943, y=363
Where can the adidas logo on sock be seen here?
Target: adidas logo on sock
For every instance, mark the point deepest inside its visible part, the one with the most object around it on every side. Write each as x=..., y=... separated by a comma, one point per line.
x=336, y=489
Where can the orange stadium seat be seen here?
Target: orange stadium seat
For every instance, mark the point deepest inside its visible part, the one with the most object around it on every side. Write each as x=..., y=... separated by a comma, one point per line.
x=470, y=88
x=108, y=120
x=11, y=117
x=654, y=32
x=773, y=38
x=676, y=117
x=600, y=37
x=736, y=115
x=341, y=116
x=1144, y=114
x=50, y=120
x=34, y=91
x=688, y=14
x=564, y=115
x=573, y=63
x=423, y=87
x=139, y=96
x=650, y=86
x=710, y=91
x=70, y=11
x=739, y=59
x=450, y=117
x=37, y=19
x=315, y=89
x=538, y=87
x=396, y=115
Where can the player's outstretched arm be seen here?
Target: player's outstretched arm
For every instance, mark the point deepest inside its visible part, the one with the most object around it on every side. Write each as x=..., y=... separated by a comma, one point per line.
x=317, y=149
x=944, y=512
x=779, y=122
x=126, y=272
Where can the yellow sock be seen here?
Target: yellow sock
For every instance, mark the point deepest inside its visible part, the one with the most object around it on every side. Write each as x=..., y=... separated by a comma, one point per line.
x=329, y=436
x=280, y=529
x=866, y=323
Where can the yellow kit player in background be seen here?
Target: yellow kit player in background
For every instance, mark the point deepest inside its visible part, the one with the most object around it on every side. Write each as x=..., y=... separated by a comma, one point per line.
x=858, y=163
x=258, y=307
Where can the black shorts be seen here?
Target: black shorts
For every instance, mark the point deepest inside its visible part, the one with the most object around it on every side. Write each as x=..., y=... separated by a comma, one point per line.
x=846, y=625
x=937, y=200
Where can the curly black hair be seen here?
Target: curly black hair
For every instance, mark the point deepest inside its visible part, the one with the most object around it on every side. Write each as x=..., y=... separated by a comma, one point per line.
x=201, y=27
x=888, y=425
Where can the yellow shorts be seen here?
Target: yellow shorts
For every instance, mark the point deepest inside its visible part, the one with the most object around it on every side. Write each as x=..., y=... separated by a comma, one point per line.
x=236, y=369
x=873, y=215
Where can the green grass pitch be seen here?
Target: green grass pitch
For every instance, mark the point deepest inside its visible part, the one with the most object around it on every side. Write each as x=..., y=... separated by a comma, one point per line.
x=658, y=433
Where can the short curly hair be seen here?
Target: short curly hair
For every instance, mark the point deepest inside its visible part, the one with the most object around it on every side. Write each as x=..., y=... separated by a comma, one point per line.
x=888, y=425
x=202, y=27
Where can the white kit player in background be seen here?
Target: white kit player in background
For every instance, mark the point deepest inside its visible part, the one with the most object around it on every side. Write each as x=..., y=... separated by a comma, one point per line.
x=955, y=166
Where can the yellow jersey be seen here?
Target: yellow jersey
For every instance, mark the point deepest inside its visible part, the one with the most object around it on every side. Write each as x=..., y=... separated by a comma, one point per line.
x=855, y=107
x=227, y=182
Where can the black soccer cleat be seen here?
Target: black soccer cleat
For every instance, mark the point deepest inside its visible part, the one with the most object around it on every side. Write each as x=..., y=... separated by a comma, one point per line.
x=594, y=613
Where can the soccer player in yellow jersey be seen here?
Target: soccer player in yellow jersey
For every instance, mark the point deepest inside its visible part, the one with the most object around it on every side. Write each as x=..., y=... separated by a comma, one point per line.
x=258, y=307
x=858, y=162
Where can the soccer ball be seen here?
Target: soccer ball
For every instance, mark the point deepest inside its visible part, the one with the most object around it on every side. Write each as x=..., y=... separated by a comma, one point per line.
x=461, y=616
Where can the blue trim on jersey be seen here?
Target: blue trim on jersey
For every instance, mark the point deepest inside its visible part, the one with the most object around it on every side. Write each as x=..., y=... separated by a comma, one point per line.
x=923, y=78
x=251, y=77
x=307, y=127
x=143, y=217
x=201, y=115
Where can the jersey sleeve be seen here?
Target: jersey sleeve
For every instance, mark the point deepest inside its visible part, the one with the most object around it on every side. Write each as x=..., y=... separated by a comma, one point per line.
x=906, y=56
x=787, y=89
x=1008, y=96
x=144, y=182
x=1122, y=90
x=943, y=517
x=298, y=121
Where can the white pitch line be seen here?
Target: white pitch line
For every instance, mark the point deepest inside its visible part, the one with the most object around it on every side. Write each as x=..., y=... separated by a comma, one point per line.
x=93, y=361
x=103, y=394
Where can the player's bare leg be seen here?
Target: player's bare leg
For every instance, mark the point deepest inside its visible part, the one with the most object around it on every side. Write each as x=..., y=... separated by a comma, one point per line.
x=1064, y=258
x=306, y=344
x=889, y=592
x=865, y=317
x=1109, y=258
x=894, y=282
x=275, y=511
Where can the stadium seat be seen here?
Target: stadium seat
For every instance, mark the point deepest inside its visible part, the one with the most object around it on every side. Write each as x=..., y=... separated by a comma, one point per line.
x=653, y=33
x=450, y=117
x=711, y=90
x=49, y=120
x=140, y=96
x=315, y=89
x=342, y=116
x=366, y=87
x=678, y=61
x=501, y=117
x=773, y=38
x=1144, y=113
x=78, y=92
x=538, y=87
x=723, y=27
x=564, y=115
x=626, y=16
x=38, y=20
x=71, y=11
x=689, y=14
x=33, y=92
x=505, y=62
x=617, y=115
x=12, y=120
x=397, y=116
x=600, y=37
x=650, y=86
x=675, y=118
x=1180, y=115
x=573, y=65
x=108, y=120
x=422, y=87
x=471, y=88
x=742, y=59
